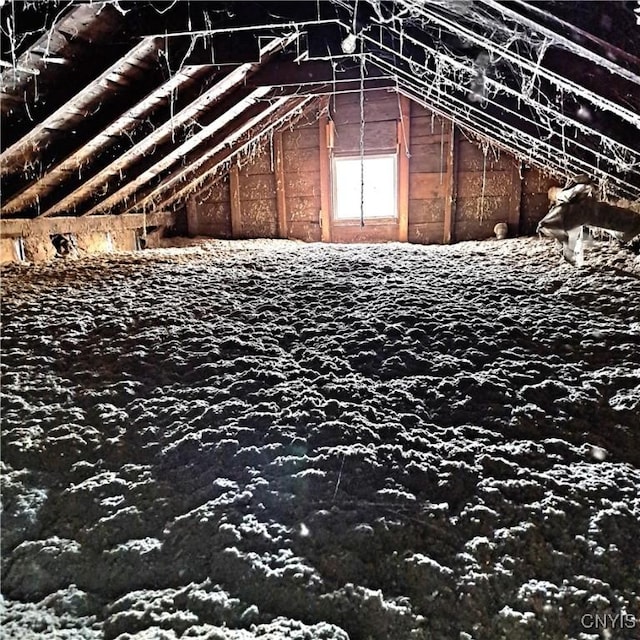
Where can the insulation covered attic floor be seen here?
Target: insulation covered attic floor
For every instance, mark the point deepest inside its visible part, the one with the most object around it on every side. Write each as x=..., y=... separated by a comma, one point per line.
x=267, y=439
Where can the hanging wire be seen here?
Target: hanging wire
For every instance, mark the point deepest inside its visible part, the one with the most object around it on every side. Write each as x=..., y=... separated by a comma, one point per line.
x=485, y=149
x=441, y=149
x=361, y=140
x=402, y=122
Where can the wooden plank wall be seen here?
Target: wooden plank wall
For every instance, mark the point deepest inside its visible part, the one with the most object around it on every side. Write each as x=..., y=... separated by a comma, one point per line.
x=455, y=192
x=209, y=211
x=253, y=210
x=301, y=166
x=258, y=202
x=535, y=198
x=430, y=150
x=487, y=191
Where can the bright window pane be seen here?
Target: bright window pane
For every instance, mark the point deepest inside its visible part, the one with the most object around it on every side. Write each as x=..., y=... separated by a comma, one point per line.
x=379, y=187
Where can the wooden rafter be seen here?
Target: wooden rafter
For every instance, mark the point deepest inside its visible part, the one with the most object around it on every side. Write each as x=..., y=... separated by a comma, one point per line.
x=76, y=108
x=190, y=178
x=179, y=152
x=86, y=22
x=189, y=114
x=83, y=156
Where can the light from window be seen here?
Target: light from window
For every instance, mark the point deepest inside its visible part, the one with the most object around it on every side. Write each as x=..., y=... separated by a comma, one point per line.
x=380, y=197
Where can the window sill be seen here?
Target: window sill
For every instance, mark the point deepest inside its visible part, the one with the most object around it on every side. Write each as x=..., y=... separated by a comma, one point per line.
x=368, y=222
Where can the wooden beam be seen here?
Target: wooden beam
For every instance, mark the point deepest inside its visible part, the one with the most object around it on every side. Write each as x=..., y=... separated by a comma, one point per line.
x=404, y=132
x=515, y=207
x=182, y=181
x=164, y=134
x=50, y=226
x=450, y=189
x=325, y=180
x=281, y=196
x=75, y=110
x=180, y=153
x=310, y=72
x=236, y=207
x=97, y=23
x=83, y=156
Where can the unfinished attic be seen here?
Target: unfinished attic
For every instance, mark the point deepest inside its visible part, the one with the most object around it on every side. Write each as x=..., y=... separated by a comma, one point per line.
x=320, y=320
x=333, y=121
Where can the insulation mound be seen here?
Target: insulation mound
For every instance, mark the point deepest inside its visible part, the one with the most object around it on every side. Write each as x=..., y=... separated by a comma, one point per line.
x=268, y=439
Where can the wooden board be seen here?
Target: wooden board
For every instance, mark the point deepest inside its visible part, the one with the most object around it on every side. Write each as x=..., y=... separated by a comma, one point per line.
x=260, y=163
x=426, y=186
x=236, y=210
x=424, y=126
x=378, y=136
x=448, y=231
x=297, y=160
x=368, y=233
x=217, y=192
x=403, y=136
x=71, y=224
x=257, y=187
x=471, y=158
x=429, y=158
x=496, y=209
x=426, y=233
x=378, y=106
x=213, y=220
x=475, y=230
x=534, y=181
x=303, y=184
x=309, y=232
x=422, y=211
x=496, y=183
x=325, y=179
x=303, y=209
x=300, y=138
x=259, y=219
x=281, y=196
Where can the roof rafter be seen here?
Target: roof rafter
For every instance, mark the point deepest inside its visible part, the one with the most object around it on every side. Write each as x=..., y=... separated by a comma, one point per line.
x=566, y=43
x=498, y=131
x=75, y=109
x=189, y=114
x=559, y=82
x=59, y=173
x=177, y=154
x=79, y=20
x=251, y=131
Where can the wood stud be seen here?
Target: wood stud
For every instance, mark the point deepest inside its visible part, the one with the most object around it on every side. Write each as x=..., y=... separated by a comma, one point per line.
x=450, y=189
x=404, y=133
x=281, y=196
x=325, y=179
x=236, y=207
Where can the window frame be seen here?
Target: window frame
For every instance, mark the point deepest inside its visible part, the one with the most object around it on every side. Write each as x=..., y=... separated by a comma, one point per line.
x=369, y=220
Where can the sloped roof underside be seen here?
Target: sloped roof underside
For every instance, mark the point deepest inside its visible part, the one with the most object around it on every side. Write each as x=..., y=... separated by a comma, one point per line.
x=113, y=107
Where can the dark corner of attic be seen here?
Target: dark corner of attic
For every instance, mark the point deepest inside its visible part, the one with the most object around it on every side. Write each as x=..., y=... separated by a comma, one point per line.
x=320, y=320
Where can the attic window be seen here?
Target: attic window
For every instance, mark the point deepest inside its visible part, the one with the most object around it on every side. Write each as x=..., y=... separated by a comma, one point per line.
x=380, y=187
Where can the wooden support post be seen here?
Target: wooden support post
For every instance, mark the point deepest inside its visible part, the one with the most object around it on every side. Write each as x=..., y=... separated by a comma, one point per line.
x=281, y=199
x=325, y=180
x=404, y=131
x=515, y=208
x=236, y=213
x=450, y=190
